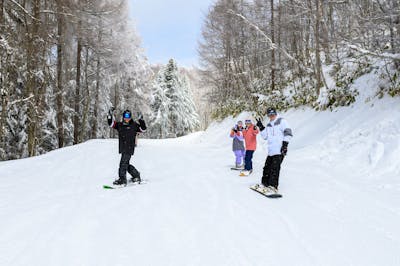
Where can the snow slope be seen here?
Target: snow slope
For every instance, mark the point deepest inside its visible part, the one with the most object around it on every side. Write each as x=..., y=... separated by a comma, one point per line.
x=341, y=203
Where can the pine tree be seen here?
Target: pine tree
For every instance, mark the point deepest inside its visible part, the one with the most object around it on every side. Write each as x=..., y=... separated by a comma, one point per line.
x=190, y=118
x=159, y=107
x=173, y=109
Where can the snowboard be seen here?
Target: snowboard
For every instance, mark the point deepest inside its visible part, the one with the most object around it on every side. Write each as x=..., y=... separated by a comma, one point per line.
x=238, y=169
x=261, y=190
x=129, y=184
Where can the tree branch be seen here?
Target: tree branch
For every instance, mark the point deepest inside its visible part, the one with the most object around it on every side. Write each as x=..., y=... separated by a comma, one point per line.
x=23, y=9
x=394, y=57
x=21, y=100
x=272, y=44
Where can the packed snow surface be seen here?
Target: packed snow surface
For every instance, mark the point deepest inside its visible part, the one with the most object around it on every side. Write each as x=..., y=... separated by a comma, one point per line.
x=340, y=184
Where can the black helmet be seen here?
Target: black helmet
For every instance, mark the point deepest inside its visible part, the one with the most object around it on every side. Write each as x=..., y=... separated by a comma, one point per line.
x=271, y=111
x=127, y=114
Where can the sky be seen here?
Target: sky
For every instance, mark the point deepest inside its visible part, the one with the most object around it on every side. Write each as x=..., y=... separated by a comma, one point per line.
x=170, y=28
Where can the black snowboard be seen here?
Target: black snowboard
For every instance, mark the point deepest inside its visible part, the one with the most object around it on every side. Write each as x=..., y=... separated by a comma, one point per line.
x=129, y=184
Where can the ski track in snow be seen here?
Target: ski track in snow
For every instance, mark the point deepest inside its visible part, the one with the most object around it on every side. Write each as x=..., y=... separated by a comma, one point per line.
x=196, y=211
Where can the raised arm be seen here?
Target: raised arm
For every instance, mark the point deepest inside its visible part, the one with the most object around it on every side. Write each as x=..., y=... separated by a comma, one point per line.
x=142, y=124
x=110, y=118
x=263, y=130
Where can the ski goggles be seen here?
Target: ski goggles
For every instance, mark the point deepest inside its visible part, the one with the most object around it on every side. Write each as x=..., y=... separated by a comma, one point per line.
x=247, y=121
x=127, y=115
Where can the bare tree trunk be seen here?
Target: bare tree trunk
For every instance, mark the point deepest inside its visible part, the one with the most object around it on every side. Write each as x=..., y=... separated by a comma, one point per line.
x=1, y=15
x=4, y=97
x=31, y=83
x=396, y=8
x=78, y=86
x=317, y=47
x=294, y=46
x=3, y=91
x=273, y=64
x=332, y=29
x=279, y=41
x=87, y=97
x=97, y=91
x=325, y=32
x=96, y=104
x=59, y=93
x=307, y=30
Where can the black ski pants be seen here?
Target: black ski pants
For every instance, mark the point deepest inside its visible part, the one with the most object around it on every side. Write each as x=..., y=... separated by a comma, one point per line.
x=124, y=166
x=271, y=171
x=248, y=163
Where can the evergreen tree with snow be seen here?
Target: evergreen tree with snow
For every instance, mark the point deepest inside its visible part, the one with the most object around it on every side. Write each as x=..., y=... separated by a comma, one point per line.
x=173, y=109
x=174, y=94
x=159, y=107
x=190, y=121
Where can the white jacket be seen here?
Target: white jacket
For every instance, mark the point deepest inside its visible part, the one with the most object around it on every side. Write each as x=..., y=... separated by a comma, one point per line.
x=275, y=133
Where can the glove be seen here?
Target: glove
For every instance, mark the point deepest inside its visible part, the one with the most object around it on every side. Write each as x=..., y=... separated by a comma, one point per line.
x=142, y=124
x=109, y=119
x=284, y=148
x=260, y=124
x=235, y=130
x=110, y=111
x=140, y=116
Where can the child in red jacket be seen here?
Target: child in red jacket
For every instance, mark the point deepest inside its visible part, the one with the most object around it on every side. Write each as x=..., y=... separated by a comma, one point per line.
x=250, y=136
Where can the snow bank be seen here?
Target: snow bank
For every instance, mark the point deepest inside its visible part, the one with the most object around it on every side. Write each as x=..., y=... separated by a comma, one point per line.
x=361, y=141
x=340, y=206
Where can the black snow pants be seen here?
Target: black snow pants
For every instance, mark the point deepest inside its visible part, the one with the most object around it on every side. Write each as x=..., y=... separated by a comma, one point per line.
x=271, y=170
x=124, y=166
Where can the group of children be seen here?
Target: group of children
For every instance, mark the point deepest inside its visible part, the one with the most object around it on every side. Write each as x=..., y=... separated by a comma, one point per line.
x=244, y=145
x=277, y=133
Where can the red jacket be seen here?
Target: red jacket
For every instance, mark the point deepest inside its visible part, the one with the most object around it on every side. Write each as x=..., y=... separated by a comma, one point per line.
x=250, y=137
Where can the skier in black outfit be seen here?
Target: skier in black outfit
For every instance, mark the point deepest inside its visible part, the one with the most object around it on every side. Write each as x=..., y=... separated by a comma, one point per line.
x=127, y=131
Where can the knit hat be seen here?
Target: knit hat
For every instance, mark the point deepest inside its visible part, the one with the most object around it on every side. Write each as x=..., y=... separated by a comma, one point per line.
x=271, y=111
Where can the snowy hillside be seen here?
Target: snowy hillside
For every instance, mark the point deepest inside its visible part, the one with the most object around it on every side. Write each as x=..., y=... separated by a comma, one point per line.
x=340, y=205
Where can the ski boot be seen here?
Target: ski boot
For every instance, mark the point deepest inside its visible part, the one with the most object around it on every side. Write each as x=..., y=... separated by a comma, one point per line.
x=274, y=190
x=245, y=172
x=120, y=181
x=136, y=180
x=239, y=166
x=270, y=190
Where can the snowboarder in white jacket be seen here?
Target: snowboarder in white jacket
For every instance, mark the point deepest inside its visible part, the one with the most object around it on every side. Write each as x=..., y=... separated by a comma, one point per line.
x=278, y=134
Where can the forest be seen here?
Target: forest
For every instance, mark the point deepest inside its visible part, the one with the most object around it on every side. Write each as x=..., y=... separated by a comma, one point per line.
x=63, y=64
x=281, y=52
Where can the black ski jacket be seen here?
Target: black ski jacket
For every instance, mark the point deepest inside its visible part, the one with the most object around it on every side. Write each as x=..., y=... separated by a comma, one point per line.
x=127, y=134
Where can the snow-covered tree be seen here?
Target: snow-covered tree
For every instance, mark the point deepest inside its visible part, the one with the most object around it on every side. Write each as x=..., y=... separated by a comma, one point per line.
x=159, y=120
x=173, y=108
x=190, y=120
x=62, y=65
